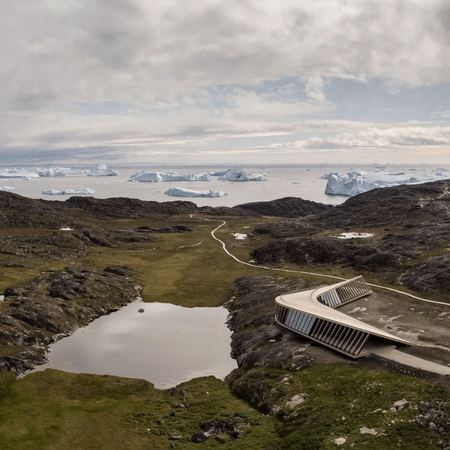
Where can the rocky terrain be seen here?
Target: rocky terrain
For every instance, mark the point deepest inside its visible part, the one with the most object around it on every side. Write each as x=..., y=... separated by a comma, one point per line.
x=53, y=305
x=408, y=247
x=410, y=227
x=75, y=246
x=286, y=207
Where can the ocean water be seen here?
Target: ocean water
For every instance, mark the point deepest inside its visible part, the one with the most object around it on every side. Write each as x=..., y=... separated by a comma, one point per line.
x=283, y=181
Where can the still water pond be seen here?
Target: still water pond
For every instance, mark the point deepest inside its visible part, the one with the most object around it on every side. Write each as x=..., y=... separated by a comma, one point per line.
x=166, y=344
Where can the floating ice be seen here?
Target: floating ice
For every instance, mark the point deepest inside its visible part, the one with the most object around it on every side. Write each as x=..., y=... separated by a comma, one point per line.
x=75, y=191
x=181, y=192
x=56, y=171
x=350, y=184
x=12, y=172
x=102, y=170
x=36, y=172
x=218, y=173
x=6, y=188
x=354, y=183
x=237, y=174
x=154, y=177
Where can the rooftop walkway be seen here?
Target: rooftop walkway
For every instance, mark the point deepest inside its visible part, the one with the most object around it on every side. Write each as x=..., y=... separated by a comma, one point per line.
x=313, y=314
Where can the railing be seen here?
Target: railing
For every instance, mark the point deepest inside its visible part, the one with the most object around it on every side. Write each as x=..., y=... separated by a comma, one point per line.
x=344, y=292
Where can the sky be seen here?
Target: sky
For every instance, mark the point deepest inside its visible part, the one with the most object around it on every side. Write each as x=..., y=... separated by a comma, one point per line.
x=224, y=81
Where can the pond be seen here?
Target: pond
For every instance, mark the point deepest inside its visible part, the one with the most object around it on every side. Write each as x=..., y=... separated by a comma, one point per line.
x=166, y=345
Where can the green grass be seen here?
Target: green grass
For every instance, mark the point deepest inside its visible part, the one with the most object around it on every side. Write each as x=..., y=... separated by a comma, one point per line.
x=54, y=410
x=188, y=269
x=340, y=400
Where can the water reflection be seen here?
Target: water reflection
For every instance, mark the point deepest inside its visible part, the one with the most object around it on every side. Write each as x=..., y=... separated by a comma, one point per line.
x=166, y=344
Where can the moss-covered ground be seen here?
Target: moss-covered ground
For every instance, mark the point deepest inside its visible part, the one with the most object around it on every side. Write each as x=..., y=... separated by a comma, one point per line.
x=57, y=410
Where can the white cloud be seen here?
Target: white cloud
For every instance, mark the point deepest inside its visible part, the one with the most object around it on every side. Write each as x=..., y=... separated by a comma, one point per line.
x=388, y=138
x=188, y=73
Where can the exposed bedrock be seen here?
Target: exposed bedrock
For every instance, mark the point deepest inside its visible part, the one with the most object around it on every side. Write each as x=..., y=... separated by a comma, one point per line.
x=287, y=207
x=410, y=227
x=21, y=212
x=257, y=340
x=431, y=276
x=325, y=251
x=396, y=205
x=53, y=305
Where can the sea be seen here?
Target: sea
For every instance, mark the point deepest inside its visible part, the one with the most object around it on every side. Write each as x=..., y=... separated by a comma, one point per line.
x=294, y=180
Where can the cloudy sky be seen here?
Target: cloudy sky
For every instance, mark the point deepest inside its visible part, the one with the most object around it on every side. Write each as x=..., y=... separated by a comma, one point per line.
x=275, y=81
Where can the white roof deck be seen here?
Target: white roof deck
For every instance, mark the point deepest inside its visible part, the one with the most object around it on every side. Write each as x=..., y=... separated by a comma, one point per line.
x=306, y=302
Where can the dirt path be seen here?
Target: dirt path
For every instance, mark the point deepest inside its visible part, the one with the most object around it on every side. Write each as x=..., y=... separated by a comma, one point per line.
x=381, y=310
x=316, y=274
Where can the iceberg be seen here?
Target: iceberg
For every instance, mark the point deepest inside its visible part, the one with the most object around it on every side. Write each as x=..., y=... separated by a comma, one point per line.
x=56, y=171
x=354, y=183
x=181, y=192
x=12, y=172
x=102, y=170
x=36, y=172
x=218, y=173
x=237, y=174
x=349, y=184
x=75, y=191
x=154, y=177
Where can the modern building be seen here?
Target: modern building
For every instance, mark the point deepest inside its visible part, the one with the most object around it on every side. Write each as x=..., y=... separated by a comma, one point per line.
x=314, y=314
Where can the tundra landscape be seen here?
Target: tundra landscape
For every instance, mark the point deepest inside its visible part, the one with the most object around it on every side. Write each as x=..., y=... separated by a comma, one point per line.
x=66, y=263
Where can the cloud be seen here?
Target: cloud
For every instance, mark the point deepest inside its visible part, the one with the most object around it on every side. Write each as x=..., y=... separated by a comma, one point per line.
x=201, y=71
x=388, y=138
x=101, y=50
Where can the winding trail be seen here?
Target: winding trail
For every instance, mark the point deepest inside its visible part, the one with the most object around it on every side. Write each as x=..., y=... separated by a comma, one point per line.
x=385, y=352
x=256, y=266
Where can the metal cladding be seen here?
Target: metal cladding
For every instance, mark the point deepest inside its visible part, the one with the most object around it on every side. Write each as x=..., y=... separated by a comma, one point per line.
x=312, y=314
x=345, y=292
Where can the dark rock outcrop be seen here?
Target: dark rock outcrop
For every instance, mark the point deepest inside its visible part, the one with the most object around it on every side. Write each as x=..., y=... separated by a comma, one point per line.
x=396, y=205
x=324, y=251
x=53, y=305
x=286, y=207
x=257, y=340
x=431, y=276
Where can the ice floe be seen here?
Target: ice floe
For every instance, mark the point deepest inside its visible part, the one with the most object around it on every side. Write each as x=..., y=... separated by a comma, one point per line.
x=237, y=174
x=181, y=192
x=75, y=191
x=154, y=177
x=102, y=170
x=6, y=188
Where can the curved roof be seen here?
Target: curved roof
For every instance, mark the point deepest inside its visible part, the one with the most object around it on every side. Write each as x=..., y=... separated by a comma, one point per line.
x=306, y=302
